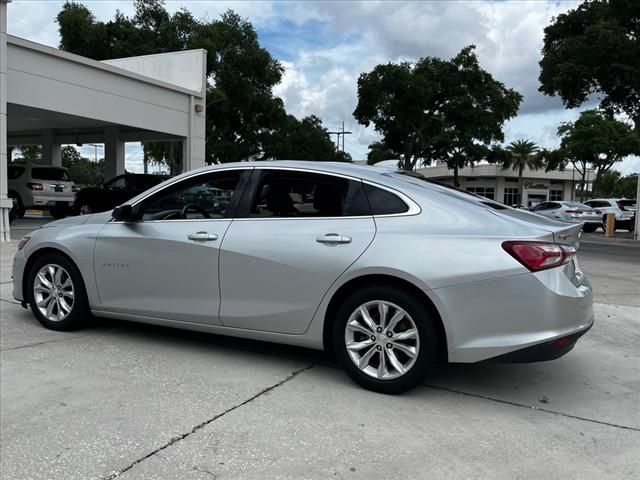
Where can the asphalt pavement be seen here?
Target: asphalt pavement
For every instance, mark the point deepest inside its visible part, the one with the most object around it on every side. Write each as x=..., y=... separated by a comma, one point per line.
x=132, y=401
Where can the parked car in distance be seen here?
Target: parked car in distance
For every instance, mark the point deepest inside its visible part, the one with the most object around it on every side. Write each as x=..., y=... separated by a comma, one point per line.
x=623, y=209
x=391, y=272
x=114, y=192
x=39, y=186
x=573, y=212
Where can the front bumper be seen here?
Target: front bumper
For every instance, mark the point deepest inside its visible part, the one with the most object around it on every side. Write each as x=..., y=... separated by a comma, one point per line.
x=19, y=262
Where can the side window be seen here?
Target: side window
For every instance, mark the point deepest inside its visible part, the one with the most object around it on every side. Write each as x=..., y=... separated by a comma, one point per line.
x=207, y=196
x=384, y=202
x=553, y=205
x=542, y=206
x=117, y=183
x=301, y=194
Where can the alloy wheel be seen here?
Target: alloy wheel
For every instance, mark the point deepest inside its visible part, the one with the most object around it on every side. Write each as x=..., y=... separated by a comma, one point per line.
x=85, y=209
x=53, y=292
x=382, y=340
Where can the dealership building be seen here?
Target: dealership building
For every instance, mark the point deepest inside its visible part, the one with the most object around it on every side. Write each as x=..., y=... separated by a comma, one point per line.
x=51, y=98
x=494, y=182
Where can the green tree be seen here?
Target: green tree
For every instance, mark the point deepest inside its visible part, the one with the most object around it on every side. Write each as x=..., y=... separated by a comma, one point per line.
x=522, y=154
x=379, y=152
x=242, y=113
x=614, y=185
x=450, y=110
x=594, y=140
x=82, y=170
x=594, y=48
x=304, y=139
x=29, y=154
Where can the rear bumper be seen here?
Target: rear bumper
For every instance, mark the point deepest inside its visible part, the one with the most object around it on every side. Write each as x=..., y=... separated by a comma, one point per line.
x=494, y=318
x=544, y=351
x=52, y=200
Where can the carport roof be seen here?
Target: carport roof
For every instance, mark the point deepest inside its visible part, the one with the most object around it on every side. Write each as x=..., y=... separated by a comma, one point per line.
x=21, y=42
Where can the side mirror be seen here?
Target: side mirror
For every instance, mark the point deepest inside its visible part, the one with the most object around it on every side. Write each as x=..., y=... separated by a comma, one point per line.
x=123, y=213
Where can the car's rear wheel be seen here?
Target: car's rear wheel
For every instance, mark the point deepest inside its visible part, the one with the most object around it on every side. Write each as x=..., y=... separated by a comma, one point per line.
x=385, y=339
x=590, y=227
x=56, y=293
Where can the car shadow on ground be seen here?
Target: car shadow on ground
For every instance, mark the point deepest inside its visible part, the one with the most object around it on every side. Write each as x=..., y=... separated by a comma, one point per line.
x=488, y=377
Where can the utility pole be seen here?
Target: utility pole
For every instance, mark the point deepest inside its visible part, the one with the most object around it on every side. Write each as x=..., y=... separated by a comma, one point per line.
x=340, y=133
x=95, y=146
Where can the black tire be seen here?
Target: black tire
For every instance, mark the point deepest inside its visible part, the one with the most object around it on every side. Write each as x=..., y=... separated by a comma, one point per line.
x=590, y=227
x=58, y=211
x=79, y=313
x=427, y=357
x=17, y=210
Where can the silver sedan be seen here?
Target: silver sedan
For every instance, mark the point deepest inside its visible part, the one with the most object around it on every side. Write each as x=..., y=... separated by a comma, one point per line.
x=391, y=272
x=572, y=212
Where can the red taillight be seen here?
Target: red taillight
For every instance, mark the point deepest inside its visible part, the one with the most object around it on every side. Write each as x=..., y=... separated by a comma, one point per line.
x=35, y=186
x=538, y=256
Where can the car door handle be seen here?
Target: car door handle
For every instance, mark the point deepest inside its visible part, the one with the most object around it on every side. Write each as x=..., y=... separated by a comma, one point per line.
x=333, y=239
x=203, y=237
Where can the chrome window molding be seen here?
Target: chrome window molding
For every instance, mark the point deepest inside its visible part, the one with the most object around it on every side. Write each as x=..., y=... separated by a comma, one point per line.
x=414, y=208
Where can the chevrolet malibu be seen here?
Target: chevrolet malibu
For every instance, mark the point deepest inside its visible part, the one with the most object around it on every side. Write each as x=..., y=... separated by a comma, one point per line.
x=391, y=272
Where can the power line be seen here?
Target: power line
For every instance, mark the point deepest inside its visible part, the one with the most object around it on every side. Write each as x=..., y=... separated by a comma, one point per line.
x=340, y=133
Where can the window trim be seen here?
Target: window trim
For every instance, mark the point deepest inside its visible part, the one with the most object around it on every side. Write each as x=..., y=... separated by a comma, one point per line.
x=251, y=189
x=414, y=208
x=241, y=188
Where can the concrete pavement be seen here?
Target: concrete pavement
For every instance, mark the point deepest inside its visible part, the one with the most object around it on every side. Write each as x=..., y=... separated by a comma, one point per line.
x=121, y=400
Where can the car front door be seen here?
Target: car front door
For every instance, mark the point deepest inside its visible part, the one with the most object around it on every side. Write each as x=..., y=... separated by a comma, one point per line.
x=165, y=264
x=295, y=233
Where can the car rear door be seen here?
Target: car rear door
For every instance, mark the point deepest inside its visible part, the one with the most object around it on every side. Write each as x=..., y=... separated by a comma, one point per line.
x=165, y=265
x=296, y=232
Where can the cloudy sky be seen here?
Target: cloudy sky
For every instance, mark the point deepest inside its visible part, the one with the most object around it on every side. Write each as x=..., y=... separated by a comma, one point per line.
x=325, y=45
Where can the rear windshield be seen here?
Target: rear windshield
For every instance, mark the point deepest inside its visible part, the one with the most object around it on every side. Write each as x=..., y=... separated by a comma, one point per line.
x=627, y=203
x=50, y=173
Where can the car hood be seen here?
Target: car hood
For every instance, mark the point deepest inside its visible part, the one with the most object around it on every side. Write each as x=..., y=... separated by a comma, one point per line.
x=102, y=217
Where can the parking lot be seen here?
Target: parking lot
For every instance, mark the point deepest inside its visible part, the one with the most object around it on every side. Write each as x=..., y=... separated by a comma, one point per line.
x=129, y=401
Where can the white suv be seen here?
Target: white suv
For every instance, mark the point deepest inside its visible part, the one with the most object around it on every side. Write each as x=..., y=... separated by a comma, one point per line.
x=40, y=186
x=623, y=209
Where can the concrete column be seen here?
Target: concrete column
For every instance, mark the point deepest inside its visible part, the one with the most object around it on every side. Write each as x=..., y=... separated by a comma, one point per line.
x=51, y=151
x=193, y=147
x=113, y=153
x=5, y=202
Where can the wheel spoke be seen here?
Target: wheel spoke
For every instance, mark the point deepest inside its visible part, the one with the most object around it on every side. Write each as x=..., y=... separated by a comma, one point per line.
x=382, y=365
x=399, y=315
x=50, y=308
x=358, y=327
x=64, y=305
x=41, y=289
x=364, y=313
x=410, y=334
x=70, y=294
x=383, y=310
x=43, y=280
x=67, y=283
x=45, y=301
x=409, y=351
x=364, y=359
x=52, y=273
x=357, y=346
x=58, y=276
x=395, y=363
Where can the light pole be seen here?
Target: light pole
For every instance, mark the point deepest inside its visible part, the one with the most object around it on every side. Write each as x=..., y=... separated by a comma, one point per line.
x=635, y=229
x=95, y=146
x=342, y=132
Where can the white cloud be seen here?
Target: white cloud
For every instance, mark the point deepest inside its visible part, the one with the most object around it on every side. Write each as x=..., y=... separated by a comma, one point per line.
x=343, y=39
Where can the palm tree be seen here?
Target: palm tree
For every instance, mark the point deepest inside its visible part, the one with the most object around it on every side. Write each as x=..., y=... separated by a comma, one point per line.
x=522, y=154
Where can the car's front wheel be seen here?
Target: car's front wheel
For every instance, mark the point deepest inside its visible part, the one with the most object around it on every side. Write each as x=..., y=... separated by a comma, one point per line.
x=385, y=339
x=56, y=293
